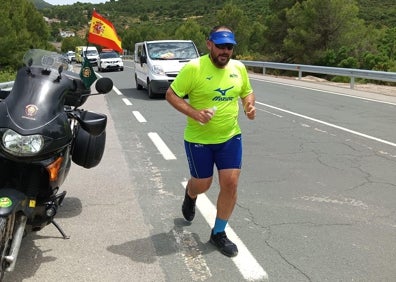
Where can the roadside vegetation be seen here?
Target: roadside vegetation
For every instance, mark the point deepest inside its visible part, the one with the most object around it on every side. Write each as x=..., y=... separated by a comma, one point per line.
x=339, y=33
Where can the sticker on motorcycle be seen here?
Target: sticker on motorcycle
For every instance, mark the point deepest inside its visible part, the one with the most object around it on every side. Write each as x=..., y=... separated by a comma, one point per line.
x=5, y=202
x=31, y=110
x=32, y=204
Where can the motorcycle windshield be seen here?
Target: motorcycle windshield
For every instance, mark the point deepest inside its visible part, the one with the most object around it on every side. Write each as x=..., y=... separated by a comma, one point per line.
x=37, y=97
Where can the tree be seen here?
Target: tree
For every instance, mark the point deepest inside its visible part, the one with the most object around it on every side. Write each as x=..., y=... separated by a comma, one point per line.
x=235, y=18
x=387, y=43
x=191, y=30
x=141, y=33
x=21, y=27
x=317, y=26
x=382, y=56
x=70, y=43
x=257, y=41
x=277, y=26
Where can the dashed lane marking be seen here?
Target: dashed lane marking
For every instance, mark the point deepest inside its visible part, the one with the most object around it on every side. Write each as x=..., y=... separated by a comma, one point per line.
x=117, y=91
x=127, y=102
x=161, y=146
x=139, y=116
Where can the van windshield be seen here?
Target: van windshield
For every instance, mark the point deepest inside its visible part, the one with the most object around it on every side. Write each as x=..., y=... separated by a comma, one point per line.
x=171, y=50
x=91, y=52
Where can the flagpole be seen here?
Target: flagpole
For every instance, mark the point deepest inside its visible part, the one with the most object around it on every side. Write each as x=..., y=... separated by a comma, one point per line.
x=86, y=37
x=87, y=74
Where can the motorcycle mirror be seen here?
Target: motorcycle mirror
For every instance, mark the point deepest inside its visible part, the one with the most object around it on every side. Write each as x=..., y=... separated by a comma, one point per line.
x=104, y=85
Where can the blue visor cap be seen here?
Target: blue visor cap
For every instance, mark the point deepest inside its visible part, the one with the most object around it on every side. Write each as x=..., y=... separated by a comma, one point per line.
x=222, y=37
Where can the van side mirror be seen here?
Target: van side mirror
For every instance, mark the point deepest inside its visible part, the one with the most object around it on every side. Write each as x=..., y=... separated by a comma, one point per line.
x=143, y=59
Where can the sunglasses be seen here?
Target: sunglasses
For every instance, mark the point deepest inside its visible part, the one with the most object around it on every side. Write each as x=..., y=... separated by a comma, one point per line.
x=224, y=46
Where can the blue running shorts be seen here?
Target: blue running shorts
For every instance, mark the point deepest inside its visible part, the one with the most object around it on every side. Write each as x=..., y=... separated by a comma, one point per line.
x=202, y=157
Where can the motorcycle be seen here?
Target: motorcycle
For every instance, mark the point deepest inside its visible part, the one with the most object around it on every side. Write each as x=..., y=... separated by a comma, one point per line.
x=42, y=131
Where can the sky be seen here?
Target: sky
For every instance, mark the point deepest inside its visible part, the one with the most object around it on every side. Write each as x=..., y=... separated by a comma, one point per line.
x=71, y=2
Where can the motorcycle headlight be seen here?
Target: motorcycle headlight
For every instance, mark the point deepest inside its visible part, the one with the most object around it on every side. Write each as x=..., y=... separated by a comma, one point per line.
x=20, y=145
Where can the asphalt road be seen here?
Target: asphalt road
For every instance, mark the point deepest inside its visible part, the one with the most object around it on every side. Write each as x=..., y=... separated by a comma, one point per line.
x=316, y=198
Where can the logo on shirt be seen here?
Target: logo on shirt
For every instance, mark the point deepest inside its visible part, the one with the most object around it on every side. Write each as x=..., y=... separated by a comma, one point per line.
x=223, y=93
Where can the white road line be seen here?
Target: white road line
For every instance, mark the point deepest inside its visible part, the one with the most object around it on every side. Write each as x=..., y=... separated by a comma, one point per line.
x=127, y=102
x=139, y=116
x=271, y=113
x=247, y=265
x=117, y=91
x=326, y=91
x=331, y=125
x=161, y=146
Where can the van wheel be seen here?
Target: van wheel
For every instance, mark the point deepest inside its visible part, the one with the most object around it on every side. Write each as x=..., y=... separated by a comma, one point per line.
x=151, y=94
x=138, y=86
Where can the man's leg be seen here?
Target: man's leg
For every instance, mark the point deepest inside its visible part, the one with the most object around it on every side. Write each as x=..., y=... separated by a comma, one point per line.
x=200, y=161
x=226, y=200
x=225, y=205
x=195, y=186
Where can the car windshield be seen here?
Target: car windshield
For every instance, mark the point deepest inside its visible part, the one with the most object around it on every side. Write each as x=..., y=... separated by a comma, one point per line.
x=171, y=50
x=107, y=55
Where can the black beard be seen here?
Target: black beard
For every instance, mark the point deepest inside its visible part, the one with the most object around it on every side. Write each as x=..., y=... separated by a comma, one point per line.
x=219, y=63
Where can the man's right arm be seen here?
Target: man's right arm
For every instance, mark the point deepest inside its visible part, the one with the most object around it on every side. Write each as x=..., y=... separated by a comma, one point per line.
x=178, y=103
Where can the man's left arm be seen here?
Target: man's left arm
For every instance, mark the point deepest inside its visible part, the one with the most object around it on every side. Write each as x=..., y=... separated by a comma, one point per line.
x=248, y=106
x=248, y=100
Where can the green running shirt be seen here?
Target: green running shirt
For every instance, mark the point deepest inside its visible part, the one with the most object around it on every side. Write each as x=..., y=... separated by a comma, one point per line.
x=208, y=86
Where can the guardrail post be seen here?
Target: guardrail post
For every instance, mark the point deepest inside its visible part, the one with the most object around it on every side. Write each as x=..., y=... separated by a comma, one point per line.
x=352, y=82
x=299, y=72
x=264, y=70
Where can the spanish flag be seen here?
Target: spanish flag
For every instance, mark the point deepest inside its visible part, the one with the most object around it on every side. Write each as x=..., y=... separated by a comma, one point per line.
x=103, y=33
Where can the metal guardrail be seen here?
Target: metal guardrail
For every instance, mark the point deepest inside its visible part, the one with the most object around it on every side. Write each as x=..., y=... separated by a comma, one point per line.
x=351, y=73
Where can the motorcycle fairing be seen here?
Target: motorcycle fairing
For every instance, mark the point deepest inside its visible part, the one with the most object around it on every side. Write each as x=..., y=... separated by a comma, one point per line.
x=36, y=106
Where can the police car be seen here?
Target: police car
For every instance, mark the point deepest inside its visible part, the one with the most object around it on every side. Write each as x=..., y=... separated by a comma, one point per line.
x=110, y=60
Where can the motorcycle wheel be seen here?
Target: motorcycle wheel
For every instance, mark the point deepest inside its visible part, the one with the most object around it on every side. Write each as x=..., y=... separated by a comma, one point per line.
x=6, y=228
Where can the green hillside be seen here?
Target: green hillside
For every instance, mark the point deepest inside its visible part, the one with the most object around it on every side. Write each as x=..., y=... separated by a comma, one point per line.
x=377, y=12
x=41, y=4
x=343, y=33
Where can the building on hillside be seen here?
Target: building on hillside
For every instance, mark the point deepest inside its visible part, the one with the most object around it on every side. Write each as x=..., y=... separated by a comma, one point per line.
x=67, y=33
x=49, y=21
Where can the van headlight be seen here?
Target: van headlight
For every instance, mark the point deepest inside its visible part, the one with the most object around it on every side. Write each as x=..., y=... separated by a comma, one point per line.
x=20, y=145
x=158, y=70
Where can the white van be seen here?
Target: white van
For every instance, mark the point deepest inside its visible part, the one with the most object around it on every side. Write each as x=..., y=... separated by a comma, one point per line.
x=90, y=52
x=158, y=62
